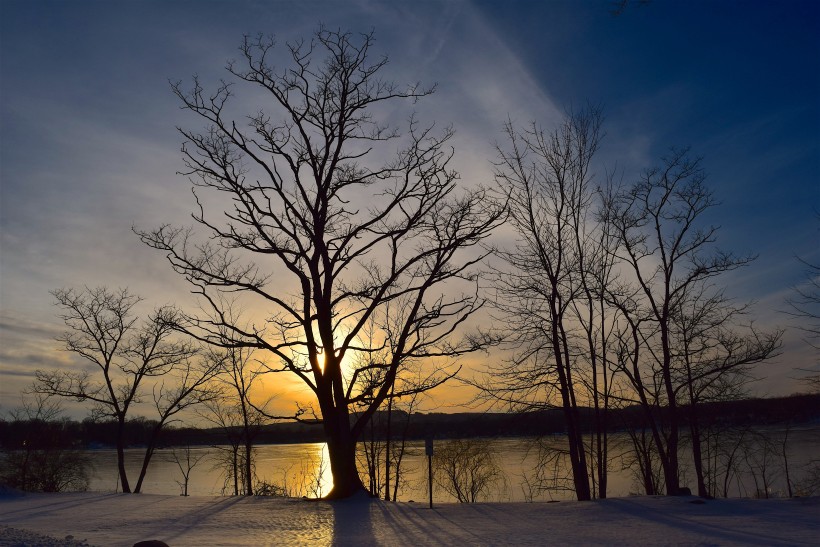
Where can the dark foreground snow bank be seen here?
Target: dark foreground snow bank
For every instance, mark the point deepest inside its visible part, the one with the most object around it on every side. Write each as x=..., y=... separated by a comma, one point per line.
x=14, y=537
x=123, y=519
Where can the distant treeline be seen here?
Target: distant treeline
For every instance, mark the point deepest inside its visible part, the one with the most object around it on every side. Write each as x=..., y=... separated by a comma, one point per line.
x=793, y=410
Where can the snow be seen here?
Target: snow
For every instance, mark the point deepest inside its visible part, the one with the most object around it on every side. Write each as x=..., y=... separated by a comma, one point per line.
x=124, y=519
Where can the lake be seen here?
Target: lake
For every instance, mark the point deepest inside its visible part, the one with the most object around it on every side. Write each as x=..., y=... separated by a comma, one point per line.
x=304, y=469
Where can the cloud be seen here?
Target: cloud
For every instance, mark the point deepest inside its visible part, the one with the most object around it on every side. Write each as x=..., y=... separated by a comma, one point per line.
x=90, y=146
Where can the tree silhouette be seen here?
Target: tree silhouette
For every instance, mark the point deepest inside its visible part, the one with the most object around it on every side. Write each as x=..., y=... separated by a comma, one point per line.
x=677, y=337
x=321, y=234
x=125, y=354
x=550, y=284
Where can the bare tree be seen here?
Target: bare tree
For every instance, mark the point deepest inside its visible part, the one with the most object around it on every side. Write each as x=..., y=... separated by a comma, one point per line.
x=725, y=447
x=674, y=326
x=385, y=442
x=383, y=454
x=241, y=423
x=466, y=469
x=395, y=448
x=124, y=355
x=810, y=483
x=643, y=460
x=712, y=358
x=40, y=410
x=45, y=460
x=232, y=460
x=323, y=234
x=186, y=460
x=238, y=373
x=186, y=385
x=551, y=294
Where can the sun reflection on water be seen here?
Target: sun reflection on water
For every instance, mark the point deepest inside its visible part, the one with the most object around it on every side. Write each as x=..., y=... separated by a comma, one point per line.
x=322, y=469
x=315, y=475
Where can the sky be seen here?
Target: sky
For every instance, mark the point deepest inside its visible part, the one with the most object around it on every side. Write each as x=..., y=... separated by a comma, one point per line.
x=89, y=146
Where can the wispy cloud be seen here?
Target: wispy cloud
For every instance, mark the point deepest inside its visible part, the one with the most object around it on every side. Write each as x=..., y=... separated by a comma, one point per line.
x=90, y=146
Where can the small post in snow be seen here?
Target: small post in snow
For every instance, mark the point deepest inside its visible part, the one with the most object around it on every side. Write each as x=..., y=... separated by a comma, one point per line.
x=428, y=449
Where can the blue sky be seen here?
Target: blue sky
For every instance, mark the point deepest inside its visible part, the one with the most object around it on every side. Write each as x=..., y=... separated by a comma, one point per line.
x=89, y=146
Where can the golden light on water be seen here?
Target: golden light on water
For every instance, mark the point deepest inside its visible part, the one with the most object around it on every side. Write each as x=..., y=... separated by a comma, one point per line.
x=323, y=470
x=319, y=477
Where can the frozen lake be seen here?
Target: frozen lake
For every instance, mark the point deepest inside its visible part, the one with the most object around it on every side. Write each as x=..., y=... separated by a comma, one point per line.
x=304, y=468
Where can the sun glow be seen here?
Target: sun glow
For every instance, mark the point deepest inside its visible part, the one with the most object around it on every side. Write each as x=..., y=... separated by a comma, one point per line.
x=321, y=360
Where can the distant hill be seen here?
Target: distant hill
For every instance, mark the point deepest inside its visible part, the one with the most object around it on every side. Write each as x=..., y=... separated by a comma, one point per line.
x=793, y=410
x=796, y=409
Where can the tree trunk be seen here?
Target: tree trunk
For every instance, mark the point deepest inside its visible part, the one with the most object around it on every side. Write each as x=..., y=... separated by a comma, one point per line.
x=400, y=454
x=602, y=452
x=126, y=488
x=149, y=452
x=657, y=439
x=671, y=473
x=670, y=463
x=248, y=461
x=647, y=471
x=575, y=437
x=694, y=424
x=24, y=471
x=235, y=464
x=667, y=453
x=577, y=451
x=697, y=455
x=248, y=466
x=387, y=446
x=603, y=442
x=786, y=462
x=341, y=447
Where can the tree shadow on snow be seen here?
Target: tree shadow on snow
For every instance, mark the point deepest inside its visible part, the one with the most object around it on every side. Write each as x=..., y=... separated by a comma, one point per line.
x=352, y=521
x=690, y=522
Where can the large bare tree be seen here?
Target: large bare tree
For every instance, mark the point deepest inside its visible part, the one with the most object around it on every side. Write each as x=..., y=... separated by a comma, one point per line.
x=676, y=336
x=126, y=356
x=550, y=287
x=330, y=219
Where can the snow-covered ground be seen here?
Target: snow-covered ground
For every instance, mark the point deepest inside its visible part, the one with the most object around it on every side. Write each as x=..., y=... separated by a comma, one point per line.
x=123, y=519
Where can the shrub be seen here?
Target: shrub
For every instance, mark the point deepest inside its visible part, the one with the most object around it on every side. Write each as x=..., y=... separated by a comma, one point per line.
x=467, y=469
